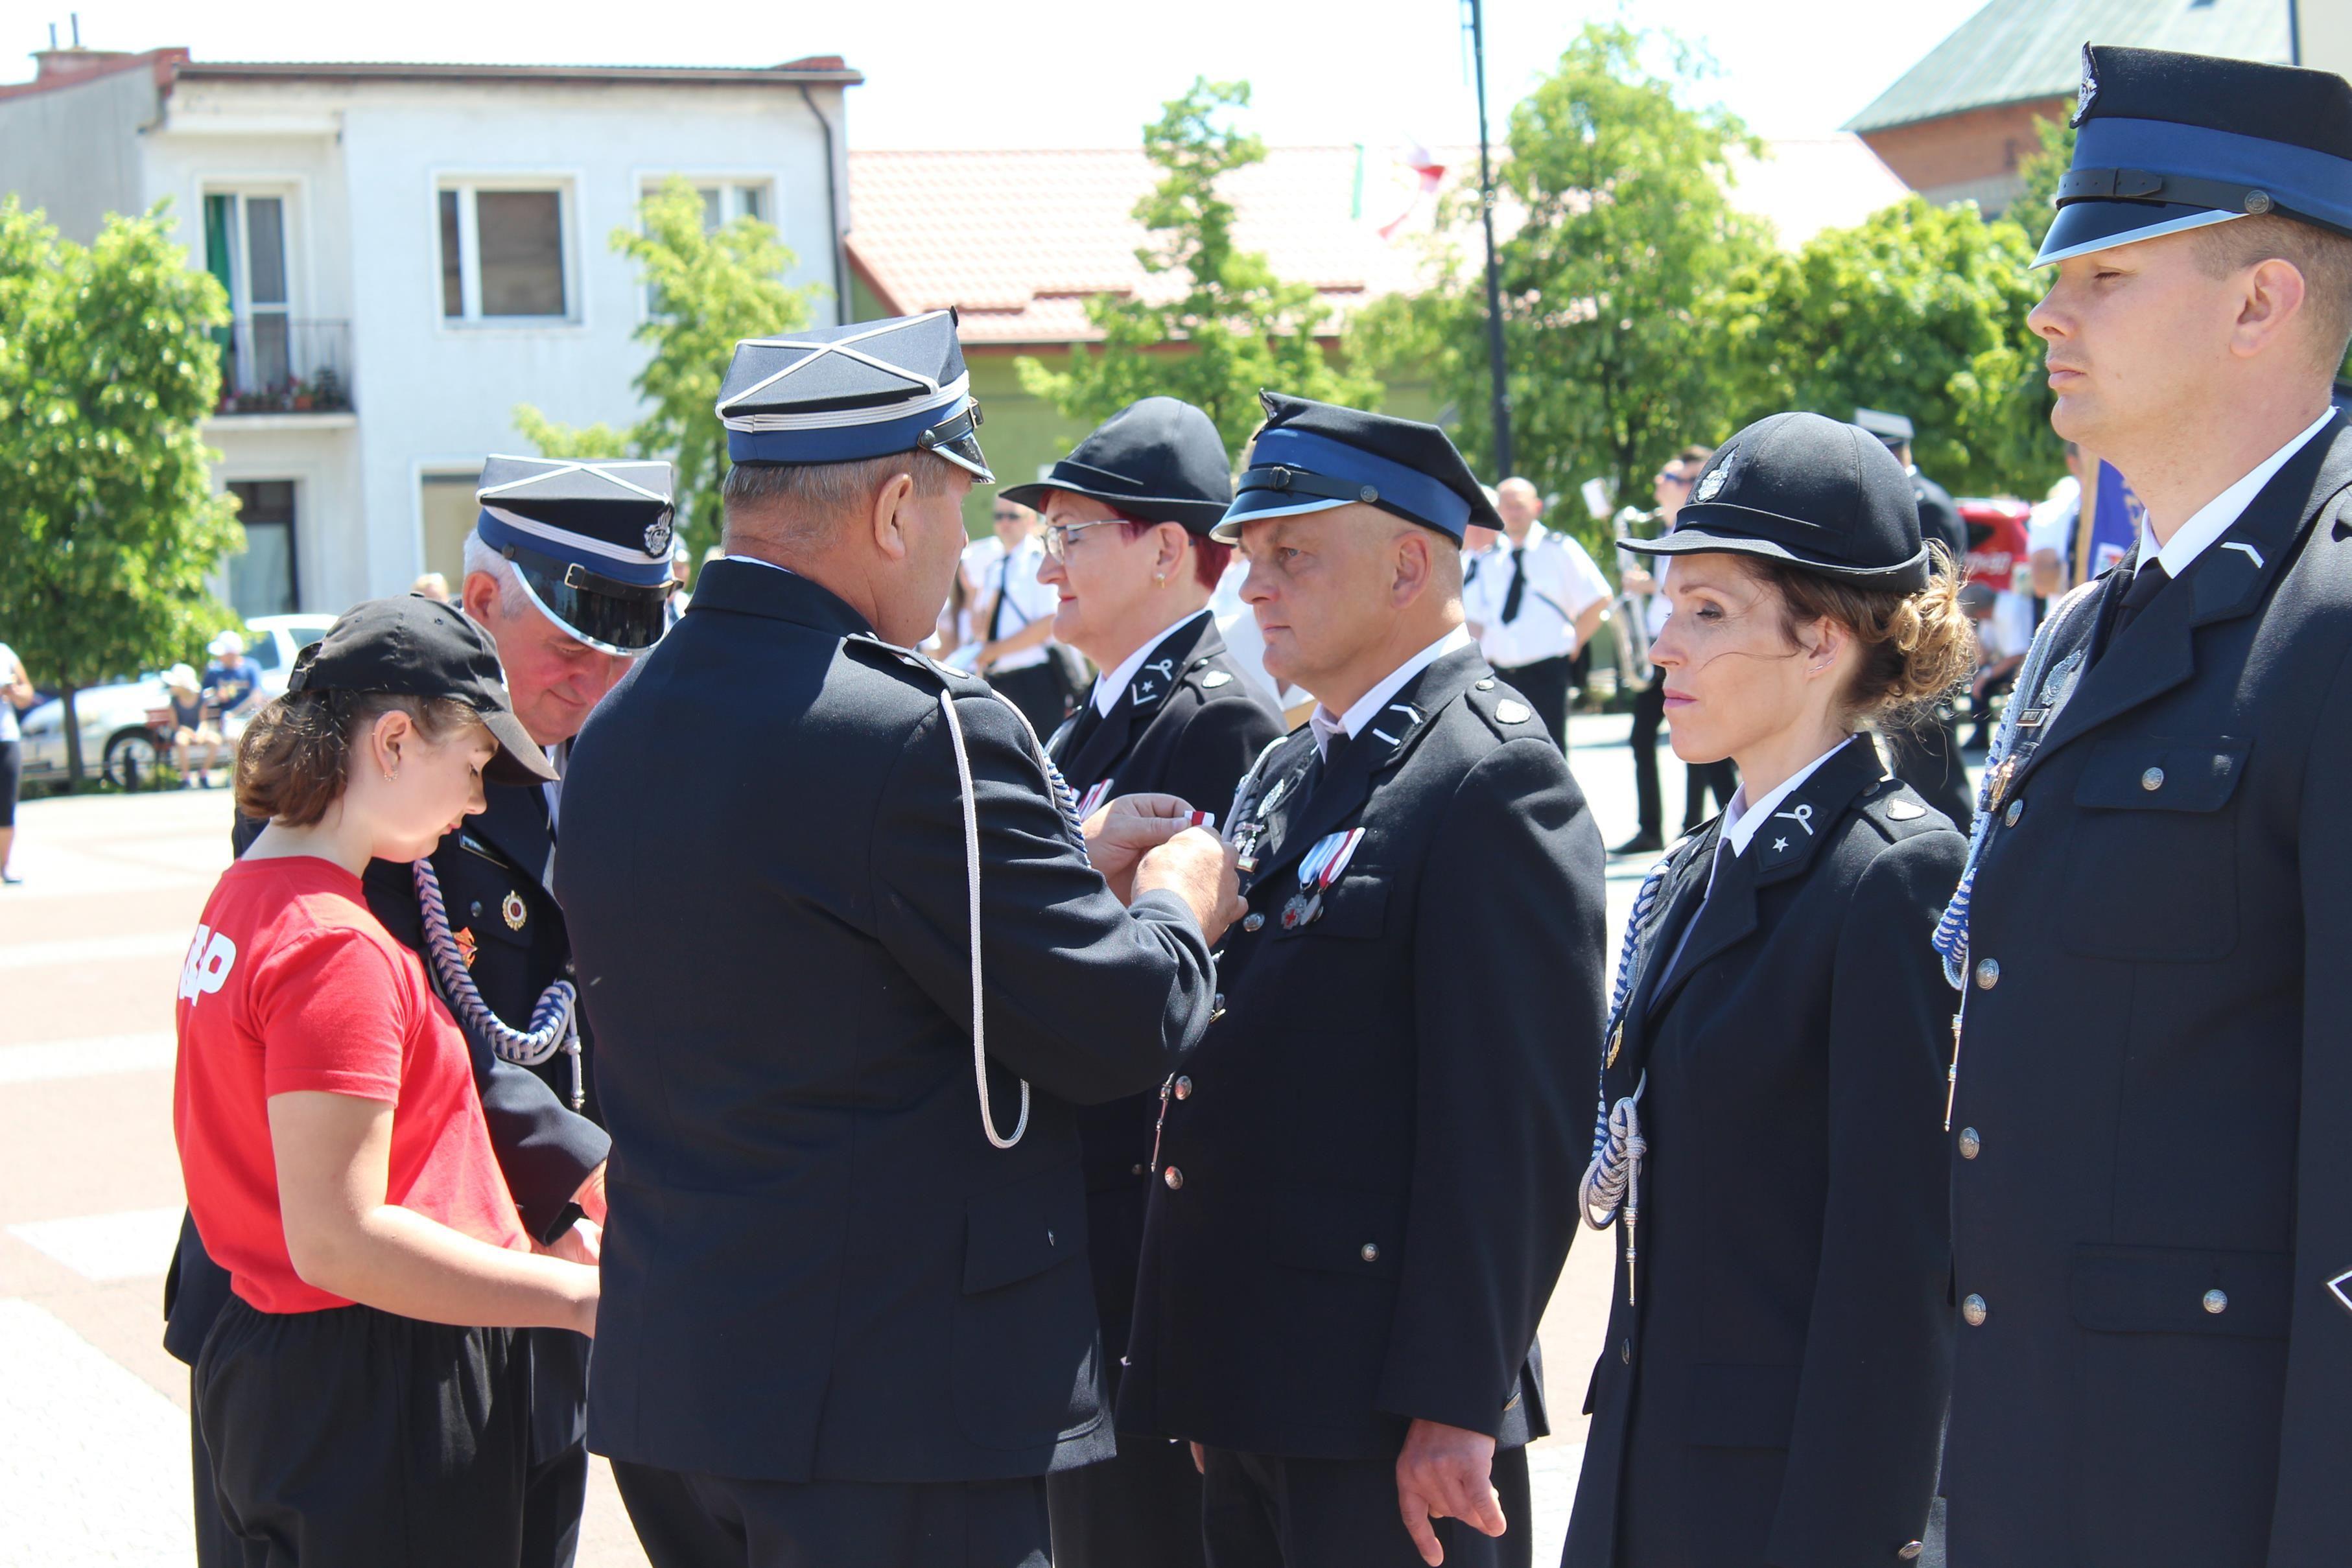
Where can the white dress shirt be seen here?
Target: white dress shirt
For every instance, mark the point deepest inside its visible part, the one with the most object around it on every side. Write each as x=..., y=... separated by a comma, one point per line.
x=2211, y=521
x=1325, y=724
x=1562, y=583
x=1111, y=684
x=1014, y=573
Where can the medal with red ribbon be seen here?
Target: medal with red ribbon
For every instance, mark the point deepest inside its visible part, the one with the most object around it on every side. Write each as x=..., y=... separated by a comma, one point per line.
x=1318, y=870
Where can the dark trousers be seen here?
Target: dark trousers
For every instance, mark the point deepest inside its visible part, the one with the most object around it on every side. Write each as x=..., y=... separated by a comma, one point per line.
x=1260, y=1510
x=555, y=1495
x=1702, y=779
x=1139, y=1510
x=1927, y=756
x=1649, y=714
x=686, y=1519
x=1039, y=692
x=1545, y=684
x=353, y=1439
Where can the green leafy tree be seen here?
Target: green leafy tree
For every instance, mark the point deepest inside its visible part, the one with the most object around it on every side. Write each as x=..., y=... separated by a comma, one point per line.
x=108, y=366
x=1237, y=327
x=1921, y=310
x=1623, y=226
x=714, y=288
x=2040, y=170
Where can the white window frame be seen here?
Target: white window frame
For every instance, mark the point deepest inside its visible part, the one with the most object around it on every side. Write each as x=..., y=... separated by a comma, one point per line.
x=731, y=185
x=566, y=188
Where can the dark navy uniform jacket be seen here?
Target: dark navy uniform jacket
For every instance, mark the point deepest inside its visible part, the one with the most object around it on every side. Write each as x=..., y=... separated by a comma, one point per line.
x=818, y=1267
x=2152, y=1175
x=1366, y=1185
x=1189, y=725
x=1775, y=1390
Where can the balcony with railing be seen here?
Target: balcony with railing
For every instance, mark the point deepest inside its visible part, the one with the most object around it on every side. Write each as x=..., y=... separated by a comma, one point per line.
x=271, y=363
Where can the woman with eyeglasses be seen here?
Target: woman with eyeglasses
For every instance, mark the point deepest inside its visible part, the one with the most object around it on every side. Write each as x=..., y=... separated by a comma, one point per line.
x=1127, y=516
x=1772, y=1387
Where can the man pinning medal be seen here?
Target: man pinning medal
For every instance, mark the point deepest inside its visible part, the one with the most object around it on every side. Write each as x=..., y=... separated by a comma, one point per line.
x=1128, y=552
x=1363, y=1182
x=567, y=570
x=848, y=1314
x=2151, y=1177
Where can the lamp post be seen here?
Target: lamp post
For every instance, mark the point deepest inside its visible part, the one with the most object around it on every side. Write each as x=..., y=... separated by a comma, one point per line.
x=1496, y=367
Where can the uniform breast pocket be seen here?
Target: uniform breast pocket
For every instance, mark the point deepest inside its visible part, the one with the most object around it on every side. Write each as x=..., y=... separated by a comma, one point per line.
x=2151, y=868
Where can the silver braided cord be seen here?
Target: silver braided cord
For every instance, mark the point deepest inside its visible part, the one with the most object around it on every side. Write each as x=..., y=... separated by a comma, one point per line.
x=971, y=884
x=554, y=1021
x=1613, y=1178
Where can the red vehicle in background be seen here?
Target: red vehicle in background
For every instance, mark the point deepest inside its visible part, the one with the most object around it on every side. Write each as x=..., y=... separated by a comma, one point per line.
x=1997, y=553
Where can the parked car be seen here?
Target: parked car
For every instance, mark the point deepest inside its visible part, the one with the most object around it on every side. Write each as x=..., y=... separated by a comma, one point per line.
x=126, y=725
x=119, y=738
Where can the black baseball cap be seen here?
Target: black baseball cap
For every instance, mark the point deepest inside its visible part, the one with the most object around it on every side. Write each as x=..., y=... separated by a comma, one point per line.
x=418, y=647
x=1805, y=490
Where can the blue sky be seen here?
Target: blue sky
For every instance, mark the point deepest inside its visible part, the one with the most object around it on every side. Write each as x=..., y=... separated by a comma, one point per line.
x=1036, y=73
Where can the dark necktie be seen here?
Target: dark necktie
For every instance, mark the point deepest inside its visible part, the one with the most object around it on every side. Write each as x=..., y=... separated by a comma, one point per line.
x=1082, y=729
x=2146, y=584
x=1518, y=591
x=1003, y=592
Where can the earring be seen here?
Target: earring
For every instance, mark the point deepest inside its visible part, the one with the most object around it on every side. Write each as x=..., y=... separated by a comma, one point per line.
x=1161, y=578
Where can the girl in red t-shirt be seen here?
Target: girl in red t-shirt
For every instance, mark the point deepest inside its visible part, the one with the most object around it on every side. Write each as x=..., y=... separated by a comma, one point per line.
x=365, y=1395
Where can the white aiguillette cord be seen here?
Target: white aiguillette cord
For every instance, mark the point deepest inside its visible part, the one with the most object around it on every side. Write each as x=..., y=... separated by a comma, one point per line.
x=971, y=881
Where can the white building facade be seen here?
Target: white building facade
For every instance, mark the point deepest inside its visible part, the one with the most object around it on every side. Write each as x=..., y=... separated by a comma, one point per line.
x=411, y=252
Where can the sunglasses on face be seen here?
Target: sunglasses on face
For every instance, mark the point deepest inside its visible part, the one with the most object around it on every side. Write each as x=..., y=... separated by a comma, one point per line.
x=1670, y=478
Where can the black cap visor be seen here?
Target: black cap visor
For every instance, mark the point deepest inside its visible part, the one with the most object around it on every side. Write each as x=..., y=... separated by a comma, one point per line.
x=2082, y=228
x=957, y=439
x=609, y=615
x=520, y=759
x=1724, y=539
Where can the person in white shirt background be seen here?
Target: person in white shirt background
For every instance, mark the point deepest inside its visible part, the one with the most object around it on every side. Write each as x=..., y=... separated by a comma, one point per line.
x=1013, y=620
x=1538, y=596
x=1671, y=486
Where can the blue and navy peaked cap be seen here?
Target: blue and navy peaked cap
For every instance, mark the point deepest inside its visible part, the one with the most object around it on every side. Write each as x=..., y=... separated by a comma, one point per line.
x=2166, y=143
x=842, y=394
x=1311, y=456
x=590, y=538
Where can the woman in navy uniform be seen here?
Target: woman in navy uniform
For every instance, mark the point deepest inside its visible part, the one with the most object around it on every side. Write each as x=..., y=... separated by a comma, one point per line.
x=1127, y=516
x=1779, y=1341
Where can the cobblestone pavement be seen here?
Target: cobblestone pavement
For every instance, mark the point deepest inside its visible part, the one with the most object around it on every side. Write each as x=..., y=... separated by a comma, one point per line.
x=93, y=1431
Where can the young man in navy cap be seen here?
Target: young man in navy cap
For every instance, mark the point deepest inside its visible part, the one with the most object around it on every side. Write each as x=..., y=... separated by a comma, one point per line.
x=852, y=1322
x=1362, y=1189
x=2152, y=1180
x=565, y=570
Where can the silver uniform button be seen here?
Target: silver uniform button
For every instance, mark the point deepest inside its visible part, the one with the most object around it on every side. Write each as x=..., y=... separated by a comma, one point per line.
x=1175, y=1178
x=1987, y=973
x=1369, y=1252
x=1972, y=1306
x=1251, y=921
x=1184, y=1089
x=2016, y=810
x=2217, y=1301
x=2153, y=779
x=1909, y=1551
x=1969, y=1143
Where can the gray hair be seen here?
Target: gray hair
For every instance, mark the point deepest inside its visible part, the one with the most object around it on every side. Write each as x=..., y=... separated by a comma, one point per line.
x=480, y=557
x=791, y=507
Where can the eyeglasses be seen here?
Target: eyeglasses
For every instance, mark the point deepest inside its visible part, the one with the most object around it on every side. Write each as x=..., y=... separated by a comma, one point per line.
x=1670, y=478
x=1057, y=537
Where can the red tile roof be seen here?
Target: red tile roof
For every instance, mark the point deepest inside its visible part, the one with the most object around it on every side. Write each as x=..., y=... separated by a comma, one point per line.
x=1019, y=239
